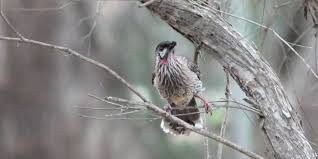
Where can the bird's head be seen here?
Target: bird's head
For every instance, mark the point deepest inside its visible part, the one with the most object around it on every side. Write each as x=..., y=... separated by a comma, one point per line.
x=164, y=50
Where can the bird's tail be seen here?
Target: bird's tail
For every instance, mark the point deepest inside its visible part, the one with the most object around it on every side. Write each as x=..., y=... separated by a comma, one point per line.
x=189, y=114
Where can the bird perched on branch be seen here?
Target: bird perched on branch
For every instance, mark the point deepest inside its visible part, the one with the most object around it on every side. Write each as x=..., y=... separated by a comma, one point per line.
x=178, y=81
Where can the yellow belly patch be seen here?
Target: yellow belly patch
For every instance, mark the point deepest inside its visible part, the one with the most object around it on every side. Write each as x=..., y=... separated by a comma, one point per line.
x=179, y=100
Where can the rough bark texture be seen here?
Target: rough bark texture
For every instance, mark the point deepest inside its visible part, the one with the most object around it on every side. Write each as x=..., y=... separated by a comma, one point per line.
x=281, y=124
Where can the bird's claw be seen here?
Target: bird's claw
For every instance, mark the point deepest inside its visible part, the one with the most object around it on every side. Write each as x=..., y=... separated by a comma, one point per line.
x=207, y=108
x=205, y=103
x=167, y=108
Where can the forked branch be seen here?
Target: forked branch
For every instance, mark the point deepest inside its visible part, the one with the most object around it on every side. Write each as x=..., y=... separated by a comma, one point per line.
x=205, y=27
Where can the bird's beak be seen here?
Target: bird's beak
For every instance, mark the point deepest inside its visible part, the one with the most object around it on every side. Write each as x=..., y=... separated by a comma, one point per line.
x=172, y=45
x=165, y=52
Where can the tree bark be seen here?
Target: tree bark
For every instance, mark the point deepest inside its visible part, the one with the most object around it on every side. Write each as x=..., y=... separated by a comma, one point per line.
x=205, y=27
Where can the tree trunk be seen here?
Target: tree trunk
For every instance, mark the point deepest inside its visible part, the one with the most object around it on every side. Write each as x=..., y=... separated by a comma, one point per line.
x=205, y=27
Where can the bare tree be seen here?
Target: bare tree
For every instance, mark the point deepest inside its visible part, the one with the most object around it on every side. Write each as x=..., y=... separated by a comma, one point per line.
x=203, y=23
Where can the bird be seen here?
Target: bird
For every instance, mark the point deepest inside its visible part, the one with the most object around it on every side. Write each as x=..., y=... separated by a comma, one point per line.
x=178, y=81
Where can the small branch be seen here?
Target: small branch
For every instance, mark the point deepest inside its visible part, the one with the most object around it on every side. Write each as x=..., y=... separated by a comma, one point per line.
x=316, y=59
x=95, y=108
x=129, y=103
x=123, y=113
x=121, y=100
x=142, y=107
x=244, y=107
x=283, y=4
x=89, y=34
x=206, y=140
x=59, y=7
x=110, y=102
x=147, y=3
x=197, y=54
x=224, y=123
x=8, y=23
x=106, y=118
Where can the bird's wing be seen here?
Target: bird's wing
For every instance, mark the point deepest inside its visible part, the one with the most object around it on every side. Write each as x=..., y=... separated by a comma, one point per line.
x=194, y=68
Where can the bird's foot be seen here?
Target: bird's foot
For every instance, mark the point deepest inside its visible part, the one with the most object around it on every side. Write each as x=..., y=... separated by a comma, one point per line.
x=167, y=108
x=205, y=104
x=207, y=107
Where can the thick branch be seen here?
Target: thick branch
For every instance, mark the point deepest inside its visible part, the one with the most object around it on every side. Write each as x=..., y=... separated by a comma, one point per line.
x=253, y=74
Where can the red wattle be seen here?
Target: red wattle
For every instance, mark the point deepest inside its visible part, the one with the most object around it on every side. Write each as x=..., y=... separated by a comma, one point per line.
x=164, y=61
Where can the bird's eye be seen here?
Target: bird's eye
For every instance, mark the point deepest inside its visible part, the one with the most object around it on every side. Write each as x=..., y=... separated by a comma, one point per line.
x=160, y=49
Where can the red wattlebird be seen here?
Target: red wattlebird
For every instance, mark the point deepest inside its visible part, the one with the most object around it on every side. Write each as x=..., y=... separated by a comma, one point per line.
x=178, y=81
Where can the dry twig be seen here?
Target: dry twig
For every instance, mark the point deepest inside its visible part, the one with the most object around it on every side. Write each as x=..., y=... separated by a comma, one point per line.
x=147, y=3
x=224, y=123
x=8, y=22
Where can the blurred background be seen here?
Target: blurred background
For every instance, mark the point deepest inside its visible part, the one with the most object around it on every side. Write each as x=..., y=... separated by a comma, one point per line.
x=41, y=89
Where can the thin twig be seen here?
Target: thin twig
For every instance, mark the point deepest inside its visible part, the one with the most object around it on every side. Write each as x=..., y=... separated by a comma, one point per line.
x=300, y=37
x=90, y=32
x=59, y=7
x=124, y=113
x=142, y=106
x=95, y=108
x=215, y=106
x=244, y=107
x=206, y=140
x=109, y=102
x=121, y=100
x=197, y=54
x=9, y=24
x=316, y=59
x=283, y=4
x=88, y=36
x=147, y=3
x=106, y=118
x=136, y=105
x=224, y=123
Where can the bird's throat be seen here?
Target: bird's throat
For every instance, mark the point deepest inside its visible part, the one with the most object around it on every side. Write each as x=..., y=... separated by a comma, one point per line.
x=164, y=61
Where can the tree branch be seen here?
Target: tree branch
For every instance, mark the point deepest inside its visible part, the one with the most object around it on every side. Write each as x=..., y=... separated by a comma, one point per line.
x=205, y=27
x=224, y=123
x=8, y=22
x=147, y=104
